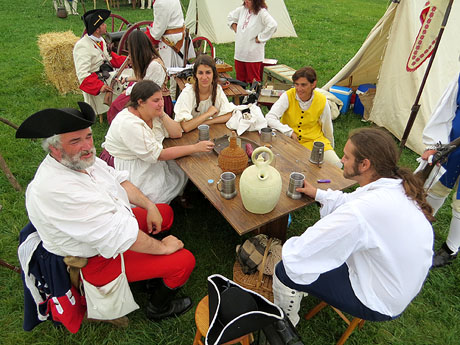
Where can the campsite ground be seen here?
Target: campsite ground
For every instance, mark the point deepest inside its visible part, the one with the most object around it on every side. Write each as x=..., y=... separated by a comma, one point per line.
x=329, y=33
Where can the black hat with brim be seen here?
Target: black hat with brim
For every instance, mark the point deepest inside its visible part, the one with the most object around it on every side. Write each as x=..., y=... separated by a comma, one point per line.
x=94, y=19
x=48, y=122
x=235, y=311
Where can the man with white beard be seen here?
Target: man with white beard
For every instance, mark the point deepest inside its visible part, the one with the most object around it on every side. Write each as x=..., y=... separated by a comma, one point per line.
x=81, y=207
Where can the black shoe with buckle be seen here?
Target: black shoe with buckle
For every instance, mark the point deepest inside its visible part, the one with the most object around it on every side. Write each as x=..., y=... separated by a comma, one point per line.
x=443, y=256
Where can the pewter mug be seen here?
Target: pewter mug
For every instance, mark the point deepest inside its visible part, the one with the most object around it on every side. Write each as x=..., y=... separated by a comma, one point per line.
x=227, y=183
x=317, y=153
x=266, y=135
x=203, y=132
x=295, y=181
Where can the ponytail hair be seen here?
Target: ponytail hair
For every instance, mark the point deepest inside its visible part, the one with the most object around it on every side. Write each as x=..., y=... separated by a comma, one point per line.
x=379, y=148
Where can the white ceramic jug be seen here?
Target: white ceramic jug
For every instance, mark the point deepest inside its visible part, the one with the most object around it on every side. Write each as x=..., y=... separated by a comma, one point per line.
x=260, y=184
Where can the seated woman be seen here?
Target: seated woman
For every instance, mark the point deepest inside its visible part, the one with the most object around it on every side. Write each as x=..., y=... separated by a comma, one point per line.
x=204, y=102
x=147, y=65
x=135, y=141
x=303, y=114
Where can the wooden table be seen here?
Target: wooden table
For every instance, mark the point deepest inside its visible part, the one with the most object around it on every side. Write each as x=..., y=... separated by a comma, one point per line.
x=289, y=156
x=234, y=91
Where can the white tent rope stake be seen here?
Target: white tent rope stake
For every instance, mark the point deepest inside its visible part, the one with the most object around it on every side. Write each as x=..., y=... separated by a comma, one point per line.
x=208, y=18
x=382, y=60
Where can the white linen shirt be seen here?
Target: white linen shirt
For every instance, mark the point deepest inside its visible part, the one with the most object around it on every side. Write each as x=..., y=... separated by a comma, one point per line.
x=136, y=148
x=168, y=15
x=380, y=234
x=439, y=126
x=249, y=27
x=81, y=214
x=282, y=104
x=184, y=109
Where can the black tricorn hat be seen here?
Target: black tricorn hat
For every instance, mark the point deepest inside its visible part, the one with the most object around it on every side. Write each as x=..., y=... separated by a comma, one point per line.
x=235, y=311
x=94, y=18
x=51, y=121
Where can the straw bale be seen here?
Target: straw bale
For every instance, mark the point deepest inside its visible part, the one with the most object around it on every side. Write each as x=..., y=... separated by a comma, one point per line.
x=56, y=50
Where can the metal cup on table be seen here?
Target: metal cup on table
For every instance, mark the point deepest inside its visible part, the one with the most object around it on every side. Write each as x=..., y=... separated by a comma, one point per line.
x=203, y=132
x=266, y=135
x=295, y=181
x=317, y=153
x=227, y=185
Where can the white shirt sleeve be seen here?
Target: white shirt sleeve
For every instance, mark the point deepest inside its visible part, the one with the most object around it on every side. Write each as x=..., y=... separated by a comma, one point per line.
x=161, y=14
x=234, y=16
x=269, y=25
x=307, y=256
x=222, y=102
x=326, y=124
x=439, y=126
x=276, y=112
x=156, y=73
x=184, y=104
x=330, y=200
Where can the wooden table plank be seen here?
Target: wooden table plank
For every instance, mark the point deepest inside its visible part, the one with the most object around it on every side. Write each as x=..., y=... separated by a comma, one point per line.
x=289, y=156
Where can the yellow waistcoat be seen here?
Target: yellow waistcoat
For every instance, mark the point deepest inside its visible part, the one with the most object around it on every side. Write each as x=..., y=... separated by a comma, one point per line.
x=306, y=123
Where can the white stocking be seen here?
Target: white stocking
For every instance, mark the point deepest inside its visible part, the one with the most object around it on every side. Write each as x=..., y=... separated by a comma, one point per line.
x=453, y=239
x=287, y=299
x=435, y=201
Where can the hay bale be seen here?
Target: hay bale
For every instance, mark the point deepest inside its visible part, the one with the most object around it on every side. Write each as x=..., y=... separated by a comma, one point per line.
x=56, y=50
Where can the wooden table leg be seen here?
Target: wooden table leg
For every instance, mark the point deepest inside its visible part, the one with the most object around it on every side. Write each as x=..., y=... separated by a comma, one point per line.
x=277, y=228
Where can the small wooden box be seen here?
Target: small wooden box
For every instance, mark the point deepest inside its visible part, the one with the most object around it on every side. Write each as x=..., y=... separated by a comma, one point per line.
x=278, y=73
x=225, y=67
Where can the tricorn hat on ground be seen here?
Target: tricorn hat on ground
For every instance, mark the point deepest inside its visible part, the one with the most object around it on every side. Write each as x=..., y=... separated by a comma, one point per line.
x=235, y=311
x=94, y=18
x=51, y=121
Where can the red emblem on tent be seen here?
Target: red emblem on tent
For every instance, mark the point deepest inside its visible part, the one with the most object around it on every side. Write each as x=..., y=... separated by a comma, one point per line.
x=431, y=20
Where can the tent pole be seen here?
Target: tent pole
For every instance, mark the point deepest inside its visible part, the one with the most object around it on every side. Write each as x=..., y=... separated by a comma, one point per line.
x=416, y=106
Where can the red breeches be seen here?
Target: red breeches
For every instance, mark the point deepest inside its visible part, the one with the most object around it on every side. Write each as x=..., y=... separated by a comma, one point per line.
x=174, y=269
x=248, y=71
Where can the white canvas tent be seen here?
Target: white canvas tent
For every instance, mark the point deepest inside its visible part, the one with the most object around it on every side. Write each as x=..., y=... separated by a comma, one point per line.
x=211, y=16
x=382, y=61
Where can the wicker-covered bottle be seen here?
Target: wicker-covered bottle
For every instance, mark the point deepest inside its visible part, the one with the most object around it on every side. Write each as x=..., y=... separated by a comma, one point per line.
x=233, y=158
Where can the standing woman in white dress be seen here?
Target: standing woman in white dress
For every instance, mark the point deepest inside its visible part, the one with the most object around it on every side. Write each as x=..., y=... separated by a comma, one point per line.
x=135, y=141
x=204, y=102
x=253, y=26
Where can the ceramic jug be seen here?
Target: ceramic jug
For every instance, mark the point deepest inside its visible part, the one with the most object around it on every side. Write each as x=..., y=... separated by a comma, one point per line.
x=260, y=184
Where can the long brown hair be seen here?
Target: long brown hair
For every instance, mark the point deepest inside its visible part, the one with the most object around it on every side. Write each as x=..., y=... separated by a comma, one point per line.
x=142, y=53
x=207, y=61
x=257, y=5
x=380, y=149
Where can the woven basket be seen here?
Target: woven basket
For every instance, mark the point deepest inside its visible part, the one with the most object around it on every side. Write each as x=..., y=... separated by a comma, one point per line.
x=233, y=158
x=257, y=282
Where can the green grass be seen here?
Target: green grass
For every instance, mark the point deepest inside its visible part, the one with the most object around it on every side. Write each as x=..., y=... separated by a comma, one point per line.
x=330, y=32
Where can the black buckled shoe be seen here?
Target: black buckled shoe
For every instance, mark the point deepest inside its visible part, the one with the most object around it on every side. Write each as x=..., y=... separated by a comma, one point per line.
x=175, y=307
x=443, y=256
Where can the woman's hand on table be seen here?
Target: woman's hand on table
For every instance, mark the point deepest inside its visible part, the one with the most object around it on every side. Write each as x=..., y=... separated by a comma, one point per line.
x=204, y=146
x=212, y=111
x=294, y=136
x=307, y=189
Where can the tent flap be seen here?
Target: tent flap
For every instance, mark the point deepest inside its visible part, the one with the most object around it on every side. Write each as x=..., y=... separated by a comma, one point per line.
x=382, y=61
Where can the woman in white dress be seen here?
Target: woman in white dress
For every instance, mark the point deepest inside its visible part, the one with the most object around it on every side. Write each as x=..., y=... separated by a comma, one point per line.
x=253, y=26
x=204, y=102
x=135, y=141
